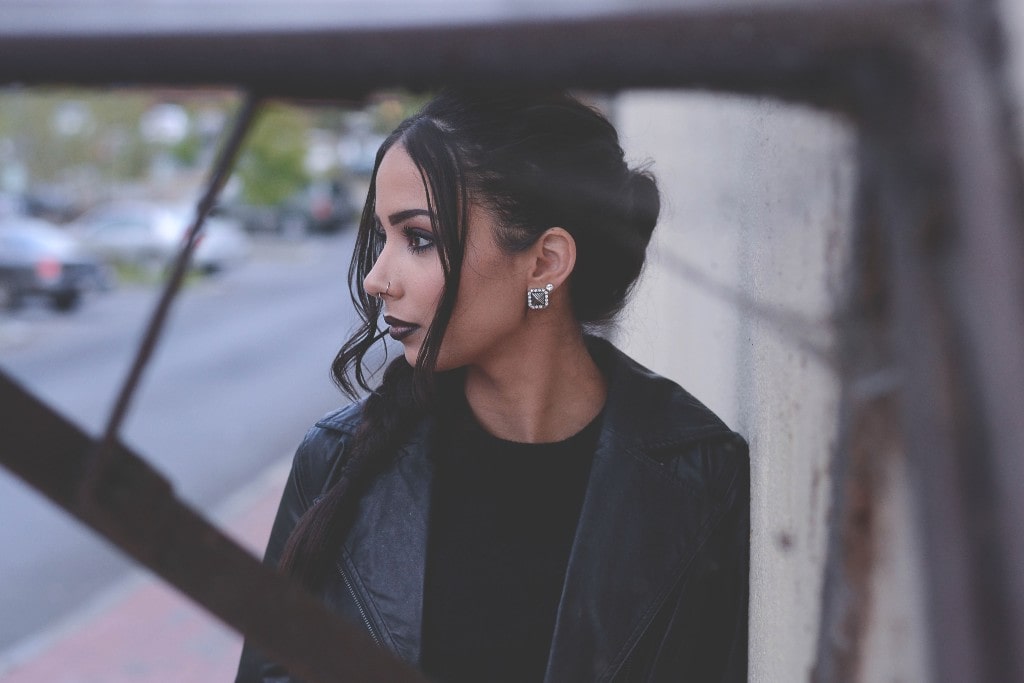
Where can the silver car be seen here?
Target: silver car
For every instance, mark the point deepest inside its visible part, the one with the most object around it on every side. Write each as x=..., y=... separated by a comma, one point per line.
x=149, y=234
x=38, y=259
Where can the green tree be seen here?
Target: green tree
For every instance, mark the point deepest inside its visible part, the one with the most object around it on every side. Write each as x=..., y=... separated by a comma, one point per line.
x=271, y=167
x=104, y=134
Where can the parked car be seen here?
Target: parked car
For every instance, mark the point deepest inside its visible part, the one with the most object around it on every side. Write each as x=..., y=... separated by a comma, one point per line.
x=11, y=205
x=39, y=259
x=53, y=203
x=149, y=234
x=329, y=206
x=321, y=207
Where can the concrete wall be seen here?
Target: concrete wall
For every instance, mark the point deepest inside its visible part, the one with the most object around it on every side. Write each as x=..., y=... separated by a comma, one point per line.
x=738, y=305
x=1012, y=12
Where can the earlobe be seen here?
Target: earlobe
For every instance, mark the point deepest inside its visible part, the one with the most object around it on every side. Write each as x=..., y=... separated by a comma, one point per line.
x=554, y=258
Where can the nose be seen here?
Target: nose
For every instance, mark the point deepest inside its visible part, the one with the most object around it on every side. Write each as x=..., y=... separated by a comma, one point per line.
x=377, y=281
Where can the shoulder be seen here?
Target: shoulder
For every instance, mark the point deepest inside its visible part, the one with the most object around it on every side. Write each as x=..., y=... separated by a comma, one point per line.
x=340, y=421
x=663, y=422
x=717, y=464
x=323, y=449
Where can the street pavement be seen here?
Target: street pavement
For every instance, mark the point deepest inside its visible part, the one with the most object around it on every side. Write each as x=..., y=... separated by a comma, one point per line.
x=240, y=375
x=143, y=631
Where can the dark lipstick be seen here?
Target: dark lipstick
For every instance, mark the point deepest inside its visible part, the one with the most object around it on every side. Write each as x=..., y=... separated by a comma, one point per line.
x=399, y=329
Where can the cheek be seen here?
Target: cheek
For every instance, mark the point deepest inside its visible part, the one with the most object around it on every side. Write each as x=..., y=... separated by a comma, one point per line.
x=488, y=306
x=424, y=285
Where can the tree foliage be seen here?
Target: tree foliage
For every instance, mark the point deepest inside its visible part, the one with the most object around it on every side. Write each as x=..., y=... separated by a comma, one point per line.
x=272, y=165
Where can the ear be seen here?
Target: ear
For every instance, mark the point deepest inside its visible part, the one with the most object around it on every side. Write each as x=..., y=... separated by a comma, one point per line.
x=553, y=258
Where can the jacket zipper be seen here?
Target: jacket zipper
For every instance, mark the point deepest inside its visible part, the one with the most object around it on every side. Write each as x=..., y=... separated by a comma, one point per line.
x=359, y=606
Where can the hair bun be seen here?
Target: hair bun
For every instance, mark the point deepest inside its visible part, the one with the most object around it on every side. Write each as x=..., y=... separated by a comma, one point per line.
x=645, y=204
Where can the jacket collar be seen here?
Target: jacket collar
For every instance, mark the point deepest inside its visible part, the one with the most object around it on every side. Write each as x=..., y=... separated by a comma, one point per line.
x=646, y=409
x=640, y=525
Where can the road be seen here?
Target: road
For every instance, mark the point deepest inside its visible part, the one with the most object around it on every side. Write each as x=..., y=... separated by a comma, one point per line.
x=240, y=374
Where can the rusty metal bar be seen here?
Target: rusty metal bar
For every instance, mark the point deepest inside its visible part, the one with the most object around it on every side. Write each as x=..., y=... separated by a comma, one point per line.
x=937, y=430
x=945, y=198
x=984, y=284
x=136, y=510
x=807, y=51
x=219, y=175
x=868, y=434
x=938, y=157
x=958, y=263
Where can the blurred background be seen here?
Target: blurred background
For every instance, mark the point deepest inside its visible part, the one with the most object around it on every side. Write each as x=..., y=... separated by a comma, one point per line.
x=97, y=190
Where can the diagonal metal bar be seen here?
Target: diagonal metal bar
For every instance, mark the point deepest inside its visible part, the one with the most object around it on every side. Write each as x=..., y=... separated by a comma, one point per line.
x=218, y=177
x=136, y=510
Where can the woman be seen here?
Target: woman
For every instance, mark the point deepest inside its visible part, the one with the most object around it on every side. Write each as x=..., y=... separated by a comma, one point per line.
x=517, y=500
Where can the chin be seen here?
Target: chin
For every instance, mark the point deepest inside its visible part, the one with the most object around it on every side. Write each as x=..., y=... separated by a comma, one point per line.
x=412, y=352
x=447, y=359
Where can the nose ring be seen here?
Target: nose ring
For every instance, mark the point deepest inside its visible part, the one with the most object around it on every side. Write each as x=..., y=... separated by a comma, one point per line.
x=388, y=288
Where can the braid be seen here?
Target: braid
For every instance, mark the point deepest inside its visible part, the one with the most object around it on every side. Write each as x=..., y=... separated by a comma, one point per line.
x=388, y=416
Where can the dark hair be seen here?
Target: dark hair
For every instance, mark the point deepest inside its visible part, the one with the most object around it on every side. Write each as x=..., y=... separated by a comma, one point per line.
x=535, y=162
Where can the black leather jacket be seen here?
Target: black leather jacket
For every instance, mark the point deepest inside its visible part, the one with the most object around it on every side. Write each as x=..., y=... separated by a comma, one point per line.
x=657, y=582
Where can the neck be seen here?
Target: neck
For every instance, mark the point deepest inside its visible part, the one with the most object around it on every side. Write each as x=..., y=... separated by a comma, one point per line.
x=545, y=388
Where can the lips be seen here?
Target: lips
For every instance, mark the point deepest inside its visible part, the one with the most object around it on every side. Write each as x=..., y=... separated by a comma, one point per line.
x=399, y=329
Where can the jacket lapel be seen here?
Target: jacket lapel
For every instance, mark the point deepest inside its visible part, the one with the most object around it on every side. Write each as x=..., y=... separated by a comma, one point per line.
x=639, y=529
x=385, y=553
x=642, y=522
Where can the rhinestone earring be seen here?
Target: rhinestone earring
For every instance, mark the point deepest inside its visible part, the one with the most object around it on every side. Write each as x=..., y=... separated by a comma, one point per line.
x=539, y=298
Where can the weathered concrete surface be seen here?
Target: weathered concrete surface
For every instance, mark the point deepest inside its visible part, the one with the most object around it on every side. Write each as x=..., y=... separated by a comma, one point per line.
x=748, y=272
x=1012, y=12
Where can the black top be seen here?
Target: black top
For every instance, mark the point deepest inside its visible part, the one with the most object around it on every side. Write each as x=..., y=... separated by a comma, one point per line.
x=502, y=520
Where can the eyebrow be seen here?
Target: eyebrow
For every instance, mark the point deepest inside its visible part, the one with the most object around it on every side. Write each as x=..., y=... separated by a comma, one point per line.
x=400, y=216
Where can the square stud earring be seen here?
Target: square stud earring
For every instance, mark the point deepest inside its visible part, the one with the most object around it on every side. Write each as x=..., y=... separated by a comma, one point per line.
x=539, y=298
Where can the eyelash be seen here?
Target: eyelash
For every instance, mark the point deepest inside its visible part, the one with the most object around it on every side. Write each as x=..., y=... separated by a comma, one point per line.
x=414, y=234
x=411, y=235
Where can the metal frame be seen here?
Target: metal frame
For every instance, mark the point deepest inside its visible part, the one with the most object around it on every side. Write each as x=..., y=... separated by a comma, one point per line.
x=939, y=285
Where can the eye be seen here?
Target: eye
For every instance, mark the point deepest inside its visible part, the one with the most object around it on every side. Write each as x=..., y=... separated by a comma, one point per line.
x=418, y=240
x=377, y=239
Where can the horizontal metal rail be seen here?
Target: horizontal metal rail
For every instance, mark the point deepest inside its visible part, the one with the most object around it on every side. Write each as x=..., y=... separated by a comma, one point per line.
x=811, y=51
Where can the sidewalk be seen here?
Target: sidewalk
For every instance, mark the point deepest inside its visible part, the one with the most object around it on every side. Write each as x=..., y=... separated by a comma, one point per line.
x=142, y=631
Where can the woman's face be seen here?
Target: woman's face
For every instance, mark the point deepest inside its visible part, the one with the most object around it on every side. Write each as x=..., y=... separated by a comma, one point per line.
x=491, y=306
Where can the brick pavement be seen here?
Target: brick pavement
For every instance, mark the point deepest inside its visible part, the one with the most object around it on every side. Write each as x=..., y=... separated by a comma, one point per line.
x=143, y=631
